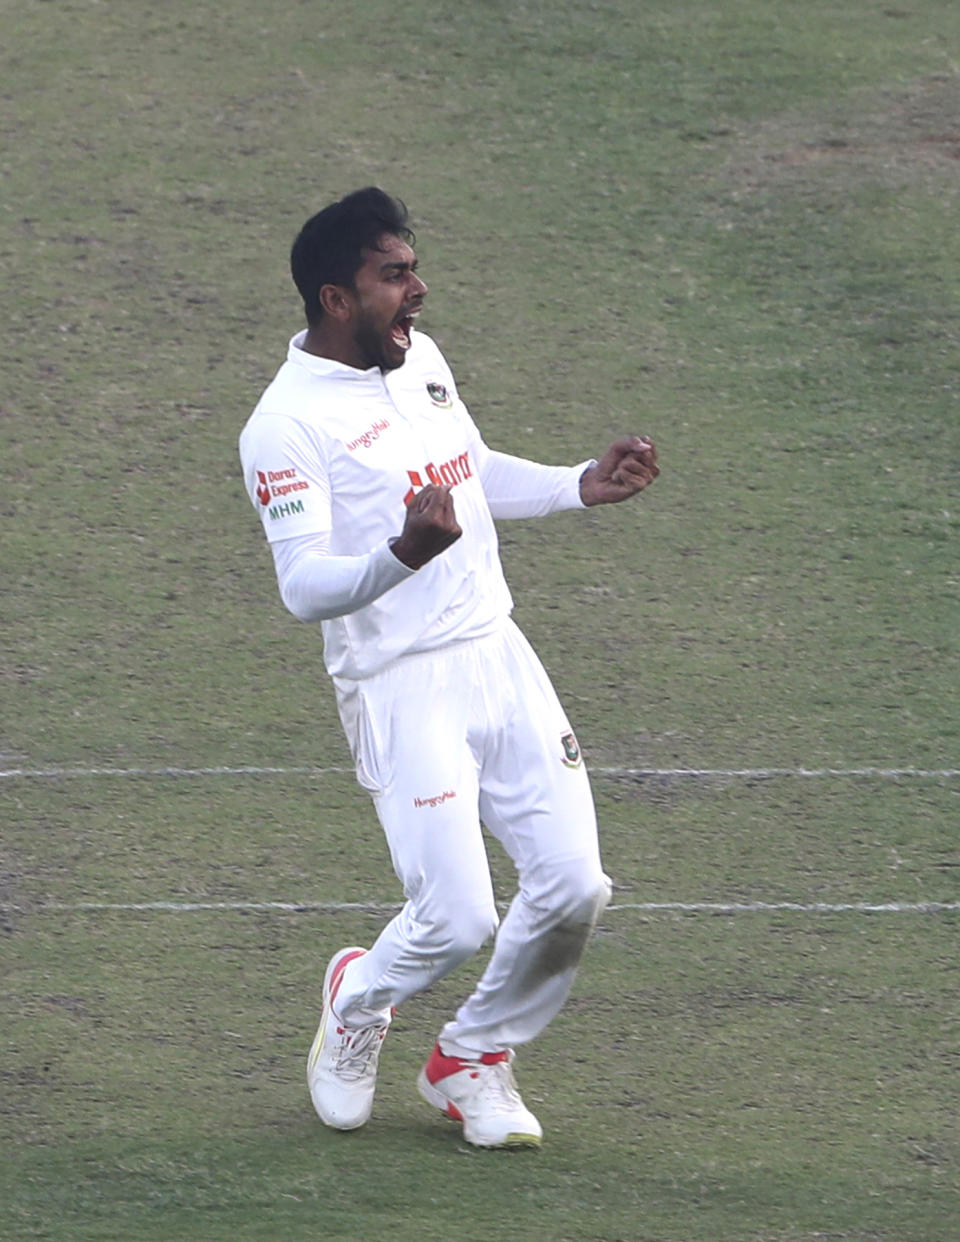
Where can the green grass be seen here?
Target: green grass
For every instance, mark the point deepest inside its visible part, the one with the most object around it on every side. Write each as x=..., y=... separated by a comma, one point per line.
x=727, y=224
x=769, y=1077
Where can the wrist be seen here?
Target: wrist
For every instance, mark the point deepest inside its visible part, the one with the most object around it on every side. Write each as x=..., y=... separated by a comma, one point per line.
x=584, y=488
x=404, y=554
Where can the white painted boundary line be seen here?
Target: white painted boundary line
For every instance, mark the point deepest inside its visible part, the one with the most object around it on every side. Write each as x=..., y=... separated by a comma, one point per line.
x=367, y=907
x=815, y=907
x=57, y=773
x=766, y=773
x=876, y=773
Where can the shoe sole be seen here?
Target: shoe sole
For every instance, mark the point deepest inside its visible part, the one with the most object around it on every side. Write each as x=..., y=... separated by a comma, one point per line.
x=438, y=1100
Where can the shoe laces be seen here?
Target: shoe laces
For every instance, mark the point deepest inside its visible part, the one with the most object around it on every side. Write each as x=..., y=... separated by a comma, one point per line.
x=359, y=1050
x=495, y=1085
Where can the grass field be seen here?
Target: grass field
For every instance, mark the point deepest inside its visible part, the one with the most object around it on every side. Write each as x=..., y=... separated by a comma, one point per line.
x=730, y=225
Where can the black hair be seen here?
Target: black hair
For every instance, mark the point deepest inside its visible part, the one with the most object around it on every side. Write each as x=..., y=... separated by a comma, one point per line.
x=329, y=248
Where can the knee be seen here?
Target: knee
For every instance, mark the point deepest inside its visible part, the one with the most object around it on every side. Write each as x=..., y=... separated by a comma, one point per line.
x=462, y=932
x=589, y=896
x=577, y=892
x=469, y=930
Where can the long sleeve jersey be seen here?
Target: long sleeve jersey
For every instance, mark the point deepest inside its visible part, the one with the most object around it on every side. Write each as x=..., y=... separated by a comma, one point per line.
x=330, y=457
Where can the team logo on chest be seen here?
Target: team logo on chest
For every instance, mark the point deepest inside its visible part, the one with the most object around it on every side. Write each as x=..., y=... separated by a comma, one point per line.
x=439, y=395
x=571, y=750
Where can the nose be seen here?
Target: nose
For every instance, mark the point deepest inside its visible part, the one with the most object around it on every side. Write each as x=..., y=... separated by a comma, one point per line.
x=419, y=285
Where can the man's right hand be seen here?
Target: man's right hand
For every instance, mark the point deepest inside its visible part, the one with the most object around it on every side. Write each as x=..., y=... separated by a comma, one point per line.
x=430, y=527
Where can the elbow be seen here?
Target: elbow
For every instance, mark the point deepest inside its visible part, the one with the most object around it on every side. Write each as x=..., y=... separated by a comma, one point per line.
x=301, y=608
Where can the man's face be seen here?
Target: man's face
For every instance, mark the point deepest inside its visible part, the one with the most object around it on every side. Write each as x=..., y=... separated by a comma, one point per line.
x=386, y=298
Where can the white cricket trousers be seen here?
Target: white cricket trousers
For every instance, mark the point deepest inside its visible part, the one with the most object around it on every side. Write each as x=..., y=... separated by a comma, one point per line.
x=445, y=740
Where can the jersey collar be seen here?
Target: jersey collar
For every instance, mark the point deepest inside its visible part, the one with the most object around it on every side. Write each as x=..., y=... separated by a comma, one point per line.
x=328, y=367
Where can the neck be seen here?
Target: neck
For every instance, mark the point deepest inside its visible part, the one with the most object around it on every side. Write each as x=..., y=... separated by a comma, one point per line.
x=324, y=343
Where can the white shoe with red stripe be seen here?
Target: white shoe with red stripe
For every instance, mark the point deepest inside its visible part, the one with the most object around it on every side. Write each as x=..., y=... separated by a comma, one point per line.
x=342, y=1065
x=483, y=1095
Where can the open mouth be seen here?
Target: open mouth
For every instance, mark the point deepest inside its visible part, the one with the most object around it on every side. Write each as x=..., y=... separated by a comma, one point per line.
x=402, y=327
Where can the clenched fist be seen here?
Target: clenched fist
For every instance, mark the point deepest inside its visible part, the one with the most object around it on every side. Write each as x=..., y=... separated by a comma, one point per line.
x=429, y=528
x=627, y=467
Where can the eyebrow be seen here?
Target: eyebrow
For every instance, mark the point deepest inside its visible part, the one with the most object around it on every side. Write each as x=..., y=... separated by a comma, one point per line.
x=399, y=266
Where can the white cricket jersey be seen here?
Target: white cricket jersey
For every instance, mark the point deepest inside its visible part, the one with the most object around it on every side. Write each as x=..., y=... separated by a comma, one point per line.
x=330, y=456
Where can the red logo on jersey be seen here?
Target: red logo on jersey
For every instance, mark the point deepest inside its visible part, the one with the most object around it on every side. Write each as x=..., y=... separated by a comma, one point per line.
x=274, y=483
x=436, y=799
x=368, y=437
x=449, y=474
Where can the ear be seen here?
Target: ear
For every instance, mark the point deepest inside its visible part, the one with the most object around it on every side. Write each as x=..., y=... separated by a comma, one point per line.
x=335, y=300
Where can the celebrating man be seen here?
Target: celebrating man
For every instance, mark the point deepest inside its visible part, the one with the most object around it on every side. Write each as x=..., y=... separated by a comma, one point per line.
x=378, y=497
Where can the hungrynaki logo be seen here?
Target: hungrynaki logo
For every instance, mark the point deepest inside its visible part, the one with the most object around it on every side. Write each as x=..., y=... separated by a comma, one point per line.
x=439, y=395
x=373, y=433
x=436, y=799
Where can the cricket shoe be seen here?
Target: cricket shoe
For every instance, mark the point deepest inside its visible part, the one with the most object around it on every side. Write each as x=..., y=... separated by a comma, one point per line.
x=483, y=1095
x=342, y=1065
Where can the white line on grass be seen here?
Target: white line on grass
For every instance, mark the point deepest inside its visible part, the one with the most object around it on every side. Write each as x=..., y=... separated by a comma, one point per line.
x=370, y=907
x=815, y=907
x=877, y=773
x=66, y=772
x=766, y=773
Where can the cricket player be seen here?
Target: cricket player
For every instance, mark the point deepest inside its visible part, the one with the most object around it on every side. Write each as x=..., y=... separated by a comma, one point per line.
x=378, y=497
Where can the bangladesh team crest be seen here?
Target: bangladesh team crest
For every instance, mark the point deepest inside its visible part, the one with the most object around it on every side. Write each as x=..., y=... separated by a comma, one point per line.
x=439, y=395
x=571, y=750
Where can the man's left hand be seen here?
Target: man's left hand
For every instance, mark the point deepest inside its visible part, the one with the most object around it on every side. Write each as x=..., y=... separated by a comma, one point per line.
x=627, y=467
